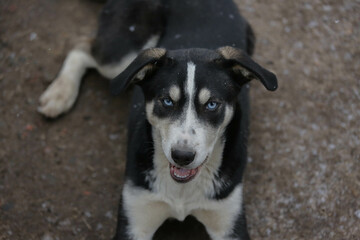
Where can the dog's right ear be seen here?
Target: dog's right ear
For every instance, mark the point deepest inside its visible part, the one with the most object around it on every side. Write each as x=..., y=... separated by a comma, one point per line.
x=138, y=70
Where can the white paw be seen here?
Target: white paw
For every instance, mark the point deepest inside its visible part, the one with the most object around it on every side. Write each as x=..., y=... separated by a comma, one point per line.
x=58, y=98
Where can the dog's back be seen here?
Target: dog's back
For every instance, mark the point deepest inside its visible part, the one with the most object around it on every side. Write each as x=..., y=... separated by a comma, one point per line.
x=126, y=26
x=203, y=24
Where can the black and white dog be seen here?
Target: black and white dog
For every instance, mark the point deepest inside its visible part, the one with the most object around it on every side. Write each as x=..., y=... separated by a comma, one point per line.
x=188, y=126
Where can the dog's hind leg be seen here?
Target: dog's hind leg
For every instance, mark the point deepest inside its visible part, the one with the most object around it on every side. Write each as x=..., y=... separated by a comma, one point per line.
x=60, y=96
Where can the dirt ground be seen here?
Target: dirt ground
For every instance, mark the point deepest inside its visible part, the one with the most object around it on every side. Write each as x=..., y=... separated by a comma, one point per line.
x=61, y=179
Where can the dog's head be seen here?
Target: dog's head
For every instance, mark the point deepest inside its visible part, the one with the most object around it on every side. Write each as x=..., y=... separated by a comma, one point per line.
x=190, y=99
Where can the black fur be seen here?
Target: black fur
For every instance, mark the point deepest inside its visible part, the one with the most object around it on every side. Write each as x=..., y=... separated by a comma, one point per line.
x=203, y=24
x=139, y=156
x=235, y=158
x=125, y=26
x=190, y=228
x=190, y=30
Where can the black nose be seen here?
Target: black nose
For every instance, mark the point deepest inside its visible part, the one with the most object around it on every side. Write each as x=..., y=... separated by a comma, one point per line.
x=182, y=157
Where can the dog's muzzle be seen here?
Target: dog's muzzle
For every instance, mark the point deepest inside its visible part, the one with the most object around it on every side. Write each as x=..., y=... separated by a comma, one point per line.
x=183, y=157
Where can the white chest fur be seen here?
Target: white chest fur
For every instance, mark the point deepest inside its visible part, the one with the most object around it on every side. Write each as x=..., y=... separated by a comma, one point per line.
x=147, y=210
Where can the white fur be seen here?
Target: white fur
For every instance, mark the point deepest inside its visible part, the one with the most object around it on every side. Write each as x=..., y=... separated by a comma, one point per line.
x=112, y=70
x=151, y=42
x=61, y=95
x=190, y=80
x=147, y=210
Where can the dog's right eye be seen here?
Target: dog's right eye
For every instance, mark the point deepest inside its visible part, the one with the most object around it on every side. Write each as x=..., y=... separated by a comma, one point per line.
x=167, y=102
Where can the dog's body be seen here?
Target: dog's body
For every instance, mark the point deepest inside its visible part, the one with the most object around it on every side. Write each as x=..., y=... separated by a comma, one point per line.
x=188, y=124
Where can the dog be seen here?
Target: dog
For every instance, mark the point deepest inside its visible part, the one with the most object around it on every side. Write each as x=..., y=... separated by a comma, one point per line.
x=189, y=62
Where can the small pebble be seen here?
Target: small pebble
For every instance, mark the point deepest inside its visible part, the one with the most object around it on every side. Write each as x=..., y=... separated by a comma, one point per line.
x=357, y=213
x=313, y=24
x=99, y=226
x=44, y=205
x=109, y=214
x=327, y=8
x=33, y=36
x=87, y=214
x=113, y=136
x=51, y=220
x=299, y=45
x=47, y=236
x=65, y=222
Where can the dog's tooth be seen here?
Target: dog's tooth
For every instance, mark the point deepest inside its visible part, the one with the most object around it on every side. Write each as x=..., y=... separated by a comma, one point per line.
x=179, y=176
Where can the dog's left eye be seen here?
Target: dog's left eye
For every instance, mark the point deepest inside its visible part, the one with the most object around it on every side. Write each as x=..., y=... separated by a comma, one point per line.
x=167, y=102
x=212, y=106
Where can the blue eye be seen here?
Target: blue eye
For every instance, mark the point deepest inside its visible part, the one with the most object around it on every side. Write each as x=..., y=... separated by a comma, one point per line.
x=168, y=102
x=212, y=106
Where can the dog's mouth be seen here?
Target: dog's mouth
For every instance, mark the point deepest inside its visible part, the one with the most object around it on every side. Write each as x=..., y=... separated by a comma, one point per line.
x=183, y=175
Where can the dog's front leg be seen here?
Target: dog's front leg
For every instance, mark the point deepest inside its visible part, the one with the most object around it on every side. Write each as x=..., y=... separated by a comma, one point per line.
x=139, y=215
x=225, y=219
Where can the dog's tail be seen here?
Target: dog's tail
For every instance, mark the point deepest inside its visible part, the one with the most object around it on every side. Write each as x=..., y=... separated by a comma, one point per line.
x=250, y=40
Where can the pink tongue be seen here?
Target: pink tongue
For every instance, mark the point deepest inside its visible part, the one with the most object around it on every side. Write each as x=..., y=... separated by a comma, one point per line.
x=182, y=171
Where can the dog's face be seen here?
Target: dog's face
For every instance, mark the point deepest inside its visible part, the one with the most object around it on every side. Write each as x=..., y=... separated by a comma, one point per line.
x=189, y=104
x=190, y=99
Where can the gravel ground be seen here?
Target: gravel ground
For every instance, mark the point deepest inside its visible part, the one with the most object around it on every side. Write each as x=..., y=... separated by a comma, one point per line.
x=61, y=179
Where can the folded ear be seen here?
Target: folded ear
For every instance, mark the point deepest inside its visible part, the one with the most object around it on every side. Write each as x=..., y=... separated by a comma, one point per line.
x=245, y=69
x=138, y=70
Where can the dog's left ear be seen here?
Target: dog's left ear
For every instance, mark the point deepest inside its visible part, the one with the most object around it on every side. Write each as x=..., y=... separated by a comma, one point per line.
x=245, y=69
x=138, y=70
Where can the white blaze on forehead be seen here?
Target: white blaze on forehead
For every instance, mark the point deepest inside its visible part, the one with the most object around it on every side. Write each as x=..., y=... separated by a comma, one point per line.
x=204, y=95
x=190, y=89
x=190, y=84
x=174, y=93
